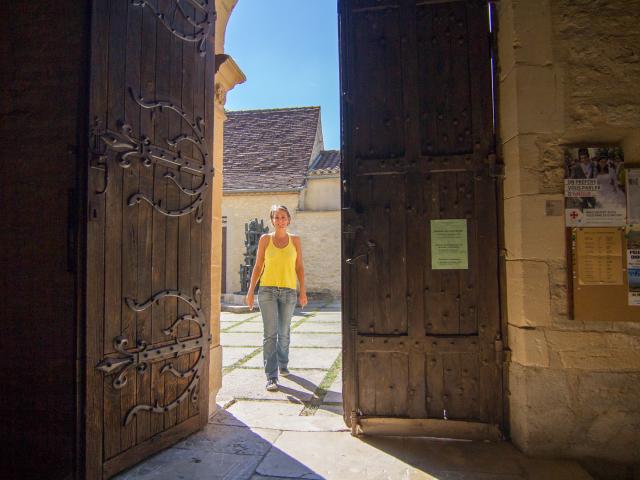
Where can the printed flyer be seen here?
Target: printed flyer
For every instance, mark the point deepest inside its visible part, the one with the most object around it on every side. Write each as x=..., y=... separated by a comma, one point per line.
x=594, y=185
x=633, y=196
x=633, y=264
x=633, y=273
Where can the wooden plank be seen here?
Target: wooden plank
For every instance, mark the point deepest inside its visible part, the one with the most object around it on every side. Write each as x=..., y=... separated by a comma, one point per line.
x=396, y=260
x=184, y=256
x=453, y=393
x=430, y=428
x=427, y=93
x=172, y=255
x=145, y=219
x=94, y=423
x=378, y=228
x=480, y=72
x=113, y=234
x=160, y=320
x=469, y=284
x=197, y=261
x=130, y=230
x=384, y=379
x=377, y=86
x=416, y=234
x=150, y=446
x=434, y=379
x=399, y=367
x=364, y=267
x=367, y=365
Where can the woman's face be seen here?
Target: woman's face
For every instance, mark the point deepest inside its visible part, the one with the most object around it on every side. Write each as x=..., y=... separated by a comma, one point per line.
x=280, y=219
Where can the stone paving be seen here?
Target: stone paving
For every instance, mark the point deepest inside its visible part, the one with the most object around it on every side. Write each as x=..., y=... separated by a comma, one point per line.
x=298, y=432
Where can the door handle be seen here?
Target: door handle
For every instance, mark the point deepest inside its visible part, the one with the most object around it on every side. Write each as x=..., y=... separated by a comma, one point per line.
x=370, y=246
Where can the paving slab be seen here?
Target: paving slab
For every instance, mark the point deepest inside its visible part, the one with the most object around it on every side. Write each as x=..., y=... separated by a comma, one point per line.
x=328, y=317
x=330, y=340
x=196, y=463
x=294, y=319
x=319, y=327
x=226, y=324
x=300, y=357
x=349, y=458
x=229, y=339
x=230, y=355
x=237, y=317
x=248, y=327
x=250, y=384
x=236, y=439
x=330, y=410
x=280, y=416
x=334, y=393
x=413, y=458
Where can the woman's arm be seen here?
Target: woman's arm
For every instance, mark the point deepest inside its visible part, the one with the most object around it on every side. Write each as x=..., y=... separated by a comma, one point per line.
x=257, y=269
x=302, y=295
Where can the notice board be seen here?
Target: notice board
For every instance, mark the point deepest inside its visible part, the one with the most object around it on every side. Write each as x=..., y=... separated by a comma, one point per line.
x=601, y=275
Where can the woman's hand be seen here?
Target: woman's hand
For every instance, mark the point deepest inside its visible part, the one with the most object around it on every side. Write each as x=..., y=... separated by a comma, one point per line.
x=302, y=298
x=249, y=300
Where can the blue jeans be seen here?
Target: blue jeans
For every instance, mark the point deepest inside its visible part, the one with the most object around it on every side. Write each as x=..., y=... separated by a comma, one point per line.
x=276, y=305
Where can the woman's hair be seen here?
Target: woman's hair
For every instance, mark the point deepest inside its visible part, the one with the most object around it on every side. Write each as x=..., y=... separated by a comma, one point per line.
x=275, y=208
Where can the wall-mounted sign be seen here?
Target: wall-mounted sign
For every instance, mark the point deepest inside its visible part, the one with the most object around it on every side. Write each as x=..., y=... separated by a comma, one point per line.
x=633, y=276
x=599, y=256
x=594, y=187
x=633, y=195
x=449, y=248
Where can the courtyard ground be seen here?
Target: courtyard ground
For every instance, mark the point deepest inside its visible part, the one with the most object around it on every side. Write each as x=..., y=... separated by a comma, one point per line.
x=298, y=432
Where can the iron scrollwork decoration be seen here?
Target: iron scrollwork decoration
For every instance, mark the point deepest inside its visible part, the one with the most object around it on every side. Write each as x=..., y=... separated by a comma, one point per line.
x=129, y=147
x=140, y=357
x=202, y=20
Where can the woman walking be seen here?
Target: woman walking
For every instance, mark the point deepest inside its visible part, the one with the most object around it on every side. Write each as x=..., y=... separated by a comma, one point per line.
x=278, y=265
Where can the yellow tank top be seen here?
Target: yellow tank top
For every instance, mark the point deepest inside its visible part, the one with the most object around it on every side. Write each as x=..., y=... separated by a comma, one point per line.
x=279, y=265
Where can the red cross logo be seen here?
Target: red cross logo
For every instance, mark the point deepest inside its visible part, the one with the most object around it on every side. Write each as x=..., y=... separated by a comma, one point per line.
x=573, y=215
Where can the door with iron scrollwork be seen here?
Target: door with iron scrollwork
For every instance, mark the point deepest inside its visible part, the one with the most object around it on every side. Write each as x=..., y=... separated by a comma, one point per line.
x=149, y=227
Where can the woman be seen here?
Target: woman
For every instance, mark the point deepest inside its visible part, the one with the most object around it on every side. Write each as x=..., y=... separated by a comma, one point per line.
x=278, y=264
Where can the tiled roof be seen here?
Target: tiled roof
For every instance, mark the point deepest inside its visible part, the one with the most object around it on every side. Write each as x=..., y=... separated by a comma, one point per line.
x=268, y=149
x=327, y=162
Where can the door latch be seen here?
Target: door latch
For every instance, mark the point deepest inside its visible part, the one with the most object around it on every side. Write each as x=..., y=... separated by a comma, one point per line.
x=370, y=246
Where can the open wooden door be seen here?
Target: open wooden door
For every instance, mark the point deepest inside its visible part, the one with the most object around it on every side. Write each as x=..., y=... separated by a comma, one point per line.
x=422, y=337
x=149, y=228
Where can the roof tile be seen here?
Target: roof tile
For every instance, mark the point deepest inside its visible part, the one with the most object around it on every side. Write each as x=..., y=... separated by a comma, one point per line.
x=268, y=149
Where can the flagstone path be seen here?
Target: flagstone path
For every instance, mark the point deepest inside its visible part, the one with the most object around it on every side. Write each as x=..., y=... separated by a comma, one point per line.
x=298, y=432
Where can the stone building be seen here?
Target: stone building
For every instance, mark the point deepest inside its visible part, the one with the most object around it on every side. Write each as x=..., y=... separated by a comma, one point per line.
x=567, y=74
x=276, y=157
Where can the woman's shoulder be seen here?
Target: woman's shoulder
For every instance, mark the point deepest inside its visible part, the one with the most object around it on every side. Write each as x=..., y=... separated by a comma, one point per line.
x=265, y=237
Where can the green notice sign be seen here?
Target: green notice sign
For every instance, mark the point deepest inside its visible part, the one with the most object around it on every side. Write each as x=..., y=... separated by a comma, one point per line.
x=449, y=249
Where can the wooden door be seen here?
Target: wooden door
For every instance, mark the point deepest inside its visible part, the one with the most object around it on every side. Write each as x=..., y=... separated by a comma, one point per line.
x=149, y=227
x=422, y=343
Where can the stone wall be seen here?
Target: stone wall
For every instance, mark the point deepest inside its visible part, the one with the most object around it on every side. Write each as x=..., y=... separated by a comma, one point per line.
x=228, y=74
x=320, y=233
x=322, y=193
x=569, y=73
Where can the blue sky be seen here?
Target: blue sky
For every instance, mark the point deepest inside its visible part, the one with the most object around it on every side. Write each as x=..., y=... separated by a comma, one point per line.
x=288, y=49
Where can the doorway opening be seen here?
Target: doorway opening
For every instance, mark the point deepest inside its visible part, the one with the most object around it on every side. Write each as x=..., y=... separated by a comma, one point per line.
x=281, y=147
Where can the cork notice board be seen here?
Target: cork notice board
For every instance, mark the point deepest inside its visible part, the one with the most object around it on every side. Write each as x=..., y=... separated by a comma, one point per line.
x=600, y=280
